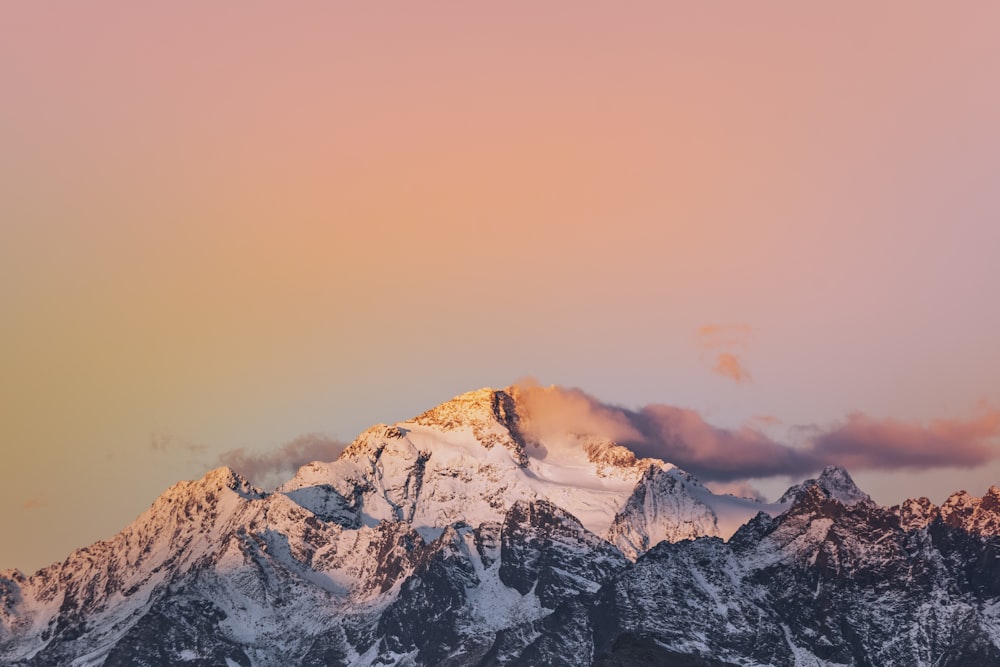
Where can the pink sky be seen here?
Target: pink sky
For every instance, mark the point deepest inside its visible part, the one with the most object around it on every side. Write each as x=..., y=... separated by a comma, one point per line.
x=226, y=227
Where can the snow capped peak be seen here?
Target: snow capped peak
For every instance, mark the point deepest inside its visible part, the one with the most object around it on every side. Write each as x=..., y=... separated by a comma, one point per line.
x=490, y=414
x=370, y=441
x=471, y=408
x=834, y=483
x=226, y=478
x=611, y=458
x=218, y=479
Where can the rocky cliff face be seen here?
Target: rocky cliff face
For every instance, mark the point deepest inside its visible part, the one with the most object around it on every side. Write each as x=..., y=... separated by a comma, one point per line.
x=824, y=583
x=455, y=539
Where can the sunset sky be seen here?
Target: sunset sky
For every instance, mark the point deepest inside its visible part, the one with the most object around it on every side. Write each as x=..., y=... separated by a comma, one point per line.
x=226, y=225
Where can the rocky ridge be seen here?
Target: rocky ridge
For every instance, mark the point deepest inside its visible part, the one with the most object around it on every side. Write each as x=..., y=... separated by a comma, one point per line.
x=458, y=539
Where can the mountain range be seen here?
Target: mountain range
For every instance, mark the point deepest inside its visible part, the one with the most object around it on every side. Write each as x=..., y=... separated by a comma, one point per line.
x=461, y=538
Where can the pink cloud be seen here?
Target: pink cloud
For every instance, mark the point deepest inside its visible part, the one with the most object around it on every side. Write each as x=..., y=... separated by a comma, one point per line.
x=557, y=410
x=725, y=339
x=861, y=442
x=682, y=437
x=724, y=336
x=729, y=365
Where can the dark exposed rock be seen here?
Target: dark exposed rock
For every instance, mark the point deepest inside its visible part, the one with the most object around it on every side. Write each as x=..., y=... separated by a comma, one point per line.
x=547, y=550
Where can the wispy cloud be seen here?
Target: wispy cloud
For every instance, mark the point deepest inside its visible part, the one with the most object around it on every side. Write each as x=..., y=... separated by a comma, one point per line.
x=269, y=469
x=164, y=441
x=725, y=341
x=728, y=365
x=683, y=437
x=740, y=489
x=724, y=336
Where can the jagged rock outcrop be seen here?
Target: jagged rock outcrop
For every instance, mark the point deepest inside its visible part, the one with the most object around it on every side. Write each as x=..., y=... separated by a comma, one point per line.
x=825, y=583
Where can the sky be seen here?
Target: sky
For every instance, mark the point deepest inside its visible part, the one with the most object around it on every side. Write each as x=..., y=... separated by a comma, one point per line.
x=238, y=232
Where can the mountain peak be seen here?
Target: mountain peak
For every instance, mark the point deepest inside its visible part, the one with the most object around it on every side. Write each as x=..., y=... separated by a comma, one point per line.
x=486, y=404
x=834, y=482
x=975, y=515
x=225, y=477
x=490, y=414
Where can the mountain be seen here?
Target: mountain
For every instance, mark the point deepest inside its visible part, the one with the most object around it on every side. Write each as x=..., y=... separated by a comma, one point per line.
x=834, y=482
x=472, y=458
x=462, y=538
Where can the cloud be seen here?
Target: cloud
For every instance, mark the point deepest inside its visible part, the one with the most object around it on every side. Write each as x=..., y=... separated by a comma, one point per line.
x=724, y=340
x=677, y=435
x=861, y=442
x=740, y=489
x=270, y=468
x=724, y=336
x=729, y=365
x=164, y=441
x=682, y=437
x=557, y=410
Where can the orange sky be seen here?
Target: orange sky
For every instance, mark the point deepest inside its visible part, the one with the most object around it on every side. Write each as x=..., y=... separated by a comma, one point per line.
x=225, y=227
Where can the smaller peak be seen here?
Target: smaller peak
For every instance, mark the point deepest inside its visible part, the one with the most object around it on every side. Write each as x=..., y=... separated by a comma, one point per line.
x=834, y=472
x=372, y=440
x=450, y=537
x=225, y=477
x=915, y=513
x=221, y=475
x=811, y=499
x=490, y=414
x=834, y=482
x=991, y=500
x=609, y=453
x=465, y=409
x=975, y=515
x=960, y=498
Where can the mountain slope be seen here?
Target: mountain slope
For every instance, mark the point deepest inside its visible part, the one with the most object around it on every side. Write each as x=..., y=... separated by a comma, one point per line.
x=824, y=583
x=459, y=538
x=470, y=460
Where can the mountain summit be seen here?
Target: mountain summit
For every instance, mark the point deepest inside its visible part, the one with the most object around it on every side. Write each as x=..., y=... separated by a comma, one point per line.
x=834, y=482
x=523, y=549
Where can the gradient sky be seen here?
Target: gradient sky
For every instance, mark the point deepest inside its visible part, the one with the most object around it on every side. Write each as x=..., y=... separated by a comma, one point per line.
x=225, y=226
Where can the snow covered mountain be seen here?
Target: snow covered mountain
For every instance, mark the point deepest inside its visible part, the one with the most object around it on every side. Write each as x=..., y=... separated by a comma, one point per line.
x=470, y=460
x=458, y=538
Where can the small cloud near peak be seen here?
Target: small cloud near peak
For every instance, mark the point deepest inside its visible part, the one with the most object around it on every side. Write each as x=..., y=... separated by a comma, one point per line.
x=728, y=365
x=268, y=469
x=725, y=340
x=724, y=336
